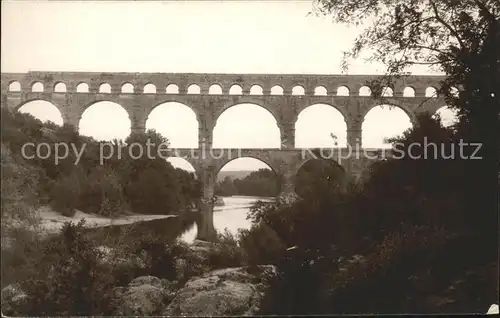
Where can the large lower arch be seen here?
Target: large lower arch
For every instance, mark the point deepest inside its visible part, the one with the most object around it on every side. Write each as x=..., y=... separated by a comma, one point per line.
x=382, y=123
x=319, y=177
x=177, y=122
x=43, y=110
x=320, y=126
x=247, y=176
x=105, y=120
x=246, y=125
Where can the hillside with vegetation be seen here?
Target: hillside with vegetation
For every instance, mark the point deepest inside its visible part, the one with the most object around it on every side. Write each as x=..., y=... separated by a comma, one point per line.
x=119, y=185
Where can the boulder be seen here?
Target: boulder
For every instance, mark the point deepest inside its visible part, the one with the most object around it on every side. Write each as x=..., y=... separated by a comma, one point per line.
x=231, y=291
x=144, y=296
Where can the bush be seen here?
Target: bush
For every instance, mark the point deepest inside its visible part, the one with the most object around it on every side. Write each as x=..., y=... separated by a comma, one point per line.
x=69, y=277
x=160, y=256
x=103, y=193
x=65, y=193
x=226, y=253
x=262, y=245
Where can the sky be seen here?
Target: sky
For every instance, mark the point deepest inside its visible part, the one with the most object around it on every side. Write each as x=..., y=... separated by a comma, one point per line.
x=185, y=37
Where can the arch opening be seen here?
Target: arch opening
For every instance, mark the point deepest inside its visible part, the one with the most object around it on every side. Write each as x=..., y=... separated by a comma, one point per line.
x=105, y=88
x=60, y=88
x=239, y=183
x=381, y=123
x=215, y=90
x=256, y=90
x=37, y=87
x=247, y=176
x=320, y=126
x=298, y=90
x=365, y=91
x=320, y=91
x=448, y=116
x=82, y=88
x=236, y=90
x=317, y=178
x=176, y=122
x=276, y=90
x=105, y=121
x=43, y=110
x=172, y=89
x=343, y=91
x=246, y=126
x=15, y=86
x=149, y=89
x=387, y=91
x=193, y=89
x=409, y=92
x=431, y=92
x=127, y=88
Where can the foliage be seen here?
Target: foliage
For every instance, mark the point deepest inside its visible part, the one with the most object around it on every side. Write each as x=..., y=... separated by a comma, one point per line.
x=160, y=256
x=65, y=194
x=261, y=245
x=144, y=185
x=318, y=179
x=20, y=192
x=410, y=218
x=226, y=253
x=69, y=278
x=103, y=193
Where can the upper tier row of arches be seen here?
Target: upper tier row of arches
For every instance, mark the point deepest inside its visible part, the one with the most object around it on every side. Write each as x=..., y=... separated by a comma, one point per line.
x=215, y=89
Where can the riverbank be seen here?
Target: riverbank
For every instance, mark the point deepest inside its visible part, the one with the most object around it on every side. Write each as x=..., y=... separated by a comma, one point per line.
x=52, y=221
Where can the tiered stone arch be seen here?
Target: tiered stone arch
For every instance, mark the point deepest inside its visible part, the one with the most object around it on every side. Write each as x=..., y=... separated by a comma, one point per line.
x=195, y=123
x=338, y=110
x=284, y=106
x=254, y=102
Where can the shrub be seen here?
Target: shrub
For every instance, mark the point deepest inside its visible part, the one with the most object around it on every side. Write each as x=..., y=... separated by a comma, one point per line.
x=69, y=278
x=262, y=245
x=160, y=256
x=103, y=193
x=65, y=193
x=20, y=226
x=226, y=253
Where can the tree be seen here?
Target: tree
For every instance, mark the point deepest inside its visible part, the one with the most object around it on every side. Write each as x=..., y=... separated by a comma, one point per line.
x=459, y=38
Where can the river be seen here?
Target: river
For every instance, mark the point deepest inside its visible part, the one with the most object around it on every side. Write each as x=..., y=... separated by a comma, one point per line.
x=231, y=216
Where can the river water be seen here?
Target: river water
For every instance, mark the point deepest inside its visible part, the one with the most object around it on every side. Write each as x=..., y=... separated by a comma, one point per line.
x=231, y=216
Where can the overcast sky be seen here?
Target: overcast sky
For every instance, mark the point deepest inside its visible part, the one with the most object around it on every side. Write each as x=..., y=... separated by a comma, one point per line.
x=175, y=36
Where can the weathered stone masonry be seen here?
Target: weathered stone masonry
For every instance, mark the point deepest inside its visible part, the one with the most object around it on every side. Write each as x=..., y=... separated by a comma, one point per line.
x=208, y=107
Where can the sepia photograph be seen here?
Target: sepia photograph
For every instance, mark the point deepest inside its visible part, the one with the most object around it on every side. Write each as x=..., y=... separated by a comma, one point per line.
x=250, y=158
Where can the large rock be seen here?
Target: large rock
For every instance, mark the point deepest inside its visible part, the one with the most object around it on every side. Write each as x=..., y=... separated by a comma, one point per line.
x=232, y=291
x=144, y=296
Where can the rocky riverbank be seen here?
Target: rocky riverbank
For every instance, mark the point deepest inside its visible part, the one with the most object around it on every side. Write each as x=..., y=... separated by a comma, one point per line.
x=220, y=292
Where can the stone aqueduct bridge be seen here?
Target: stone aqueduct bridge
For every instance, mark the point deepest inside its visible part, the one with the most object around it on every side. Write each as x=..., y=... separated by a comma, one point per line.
x=60, y=89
